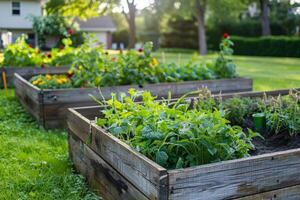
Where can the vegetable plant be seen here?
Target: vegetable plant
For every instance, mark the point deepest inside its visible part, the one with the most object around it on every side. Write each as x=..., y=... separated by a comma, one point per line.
x=173, y=134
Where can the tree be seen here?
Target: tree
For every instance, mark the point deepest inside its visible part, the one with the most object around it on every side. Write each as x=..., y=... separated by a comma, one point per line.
x=82, y=9
x=200, y=15
x=195, y=9
x=130, y=18
x=265, y=21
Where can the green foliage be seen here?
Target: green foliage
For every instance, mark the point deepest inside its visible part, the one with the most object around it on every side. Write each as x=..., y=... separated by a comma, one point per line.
x=223, y=66
x=34, y=163
x=52, y=25
x=20, y=54
x=82, y=9
x=93, y=67
x=268, y=46
x=173, y=135
x=283, y=114
x=63, y=56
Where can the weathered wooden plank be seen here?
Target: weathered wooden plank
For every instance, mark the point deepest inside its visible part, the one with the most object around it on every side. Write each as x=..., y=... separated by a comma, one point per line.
x=236, y=178
x=289, y=193
x=143, y=173
x=106, y=180
x=159, y=90
x=30, y=71
x=256, y=93
x=30, y=97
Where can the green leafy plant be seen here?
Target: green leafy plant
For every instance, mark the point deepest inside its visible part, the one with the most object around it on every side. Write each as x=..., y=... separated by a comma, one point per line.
x=224, y=66
x=172, y=134
x=283, y=113
x=21, y=54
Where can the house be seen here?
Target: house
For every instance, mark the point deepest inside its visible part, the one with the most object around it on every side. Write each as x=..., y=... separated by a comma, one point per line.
x=102, y=27
x=14, y=21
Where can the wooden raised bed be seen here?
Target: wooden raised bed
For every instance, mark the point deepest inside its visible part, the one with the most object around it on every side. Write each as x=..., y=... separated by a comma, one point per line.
x=28, y=71
x=118, y=172
x=50, y=106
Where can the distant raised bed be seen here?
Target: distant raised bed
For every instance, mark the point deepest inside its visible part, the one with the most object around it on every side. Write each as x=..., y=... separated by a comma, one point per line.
x=49, y=106
x=119, y=172
x=28, y=71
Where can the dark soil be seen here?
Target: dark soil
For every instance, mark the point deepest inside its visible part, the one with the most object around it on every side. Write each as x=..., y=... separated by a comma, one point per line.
x=280, y=142
x=272, y=143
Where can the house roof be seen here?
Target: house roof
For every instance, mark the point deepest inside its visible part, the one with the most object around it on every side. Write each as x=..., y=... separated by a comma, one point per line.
x=102, y=23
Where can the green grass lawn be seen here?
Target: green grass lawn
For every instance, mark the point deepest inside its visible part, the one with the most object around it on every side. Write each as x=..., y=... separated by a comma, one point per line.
x=34, y=163
x=267, y=73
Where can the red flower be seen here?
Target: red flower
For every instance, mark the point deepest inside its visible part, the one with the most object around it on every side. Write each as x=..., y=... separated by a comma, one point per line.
x=61, y=47
x=70, y=75
x=43, y=65
x=48, y=55
x=71, y=31
x=30, y=46
x=226, y=36
x=114, y=59
x=140, y=50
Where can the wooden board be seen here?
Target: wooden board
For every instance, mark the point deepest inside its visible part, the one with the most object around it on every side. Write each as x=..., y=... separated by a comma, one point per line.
x=109, y=183
x=29, y=71
x=236, y=178
x=30, y=97
x=147, y=176
x=289, y=193
x=159, y=90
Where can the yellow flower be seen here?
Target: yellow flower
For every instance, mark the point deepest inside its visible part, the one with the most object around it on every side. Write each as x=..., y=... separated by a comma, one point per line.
x=36, y=82
x=48, y=77
x=58, y=81
x=154, y=62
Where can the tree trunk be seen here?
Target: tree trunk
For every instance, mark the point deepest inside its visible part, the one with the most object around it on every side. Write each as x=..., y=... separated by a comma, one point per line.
x=131, y=23
x=265, y=22
x=201, y=7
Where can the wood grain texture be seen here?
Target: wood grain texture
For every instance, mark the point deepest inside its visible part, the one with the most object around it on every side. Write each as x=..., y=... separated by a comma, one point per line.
x=76, y=95
x=289, y=193
x=143, y=173
x=236, y=178
x=30, y=97
x=102, y=177
x=256, y=93
x=30, y=71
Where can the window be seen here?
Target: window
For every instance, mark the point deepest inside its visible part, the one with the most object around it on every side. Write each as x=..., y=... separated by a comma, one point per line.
x=16, y=8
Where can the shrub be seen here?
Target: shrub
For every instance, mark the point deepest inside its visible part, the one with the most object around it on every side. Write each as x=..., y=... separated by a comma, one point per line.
x=279, y=46
x=20, y=54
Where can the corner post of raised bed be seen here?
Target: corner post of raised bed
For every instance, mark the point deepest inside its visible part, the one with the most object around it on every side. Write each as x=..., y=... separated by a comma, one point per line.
x=41, y=108
x=163, y=190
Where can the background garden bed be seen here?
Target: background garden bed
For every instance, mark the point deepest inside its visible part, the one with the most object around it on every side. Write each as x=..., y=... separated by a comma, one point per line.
x=49, y=106
x=118, y=172
x=28, y=71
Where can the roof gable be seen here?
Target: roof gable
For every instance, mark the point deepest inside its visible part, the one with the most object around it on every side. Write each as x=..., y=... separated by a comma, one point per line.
x=104, y=23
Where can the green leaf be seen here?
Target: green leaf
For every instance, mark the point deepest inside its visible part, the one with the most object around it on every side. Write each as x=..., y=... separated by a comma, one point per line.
x=161, y=158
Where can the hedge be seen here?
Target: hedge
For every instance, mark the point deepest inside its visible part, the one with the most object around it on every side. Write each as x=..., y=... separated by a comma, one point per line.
x=280, y=46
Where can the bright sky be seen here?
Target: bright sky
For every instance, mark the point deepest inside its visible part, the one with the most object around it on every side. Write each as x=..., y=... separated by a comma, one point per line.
x=139, y=3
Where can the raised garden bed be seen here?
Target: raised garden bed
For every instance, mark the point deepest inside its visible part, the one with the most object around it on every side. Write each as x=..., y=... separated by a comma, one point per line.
x=28, y=71
x=119, y=172
x=49, y=106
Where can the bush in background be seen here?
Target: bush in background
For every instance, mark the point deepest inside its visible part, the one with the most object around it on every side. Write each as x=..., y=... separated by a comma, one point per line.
x=280, y=46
